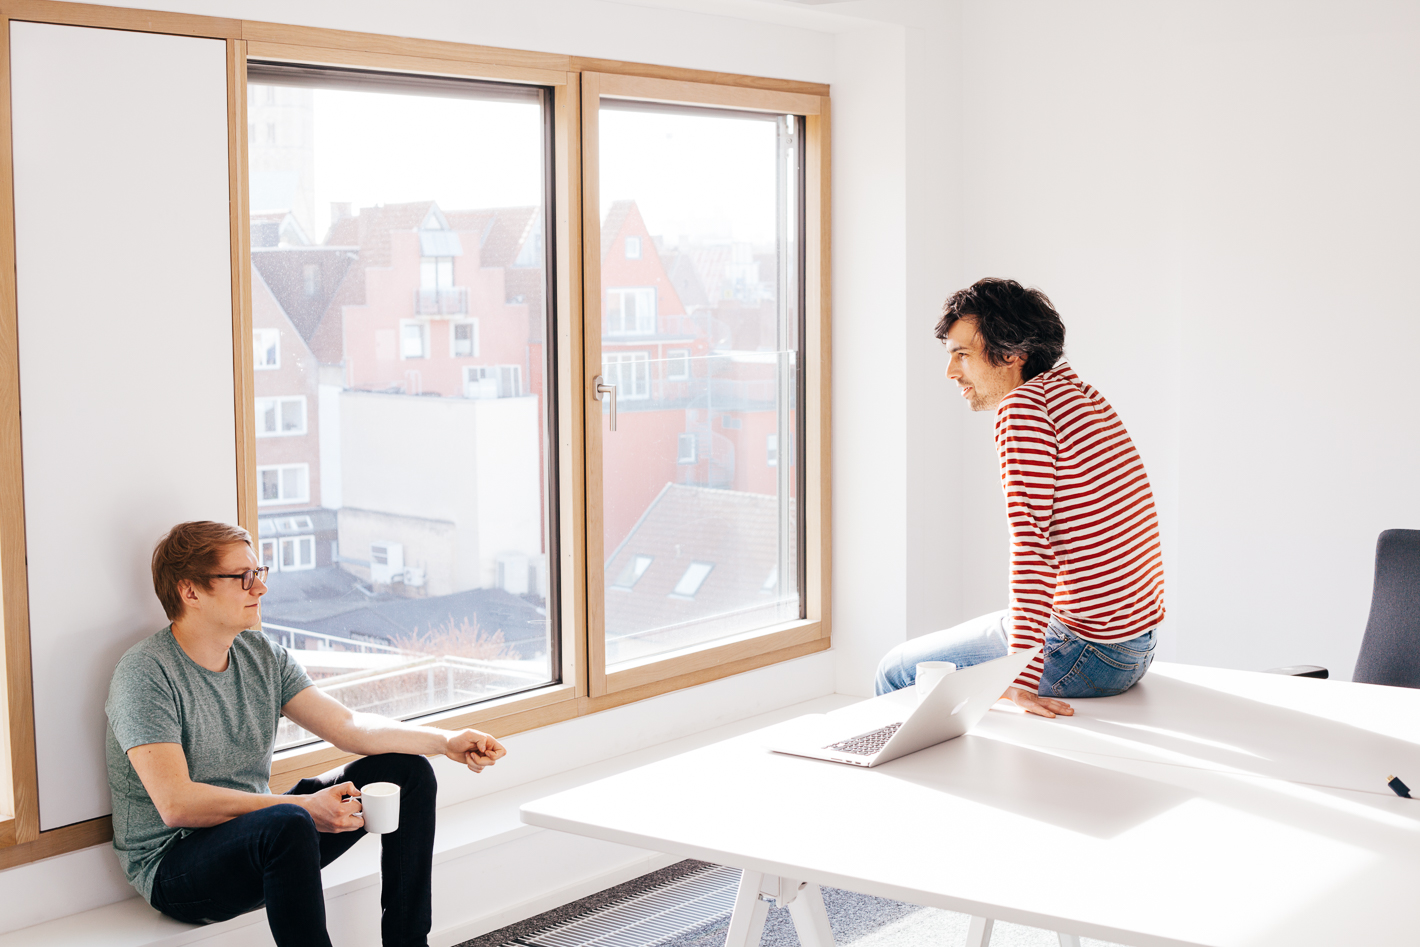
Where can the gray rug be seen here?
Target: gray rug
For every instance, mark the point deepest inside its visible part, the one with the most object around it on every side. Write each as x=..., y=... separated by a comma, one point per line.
x=857, y=919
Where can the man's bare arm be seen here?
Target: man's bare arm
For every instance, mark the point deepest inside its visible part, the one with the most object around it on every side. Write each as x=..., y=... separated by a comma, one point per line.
x=183, y=803
x=369, y=734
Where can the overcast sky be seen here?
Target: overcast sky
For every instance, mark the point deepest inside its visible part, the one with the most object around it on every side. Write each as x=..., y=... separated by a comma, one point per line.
x=376, y=148
x=704, y=175
x=709, y=176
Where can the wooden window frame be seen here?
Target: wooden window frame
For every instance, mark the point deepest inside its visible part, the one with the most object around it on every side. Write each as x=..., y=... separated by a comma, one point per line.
x=789, y=639
x=585, y=687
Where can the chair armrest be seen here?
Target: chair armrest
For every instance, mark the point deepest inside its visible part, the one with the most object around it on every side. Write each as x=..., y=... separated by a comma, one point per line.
x=1301, y=670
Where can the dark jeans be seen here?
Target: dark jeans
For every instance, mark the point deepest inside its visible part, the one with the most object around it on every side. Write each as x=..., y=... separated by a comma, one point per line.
x=273, y=856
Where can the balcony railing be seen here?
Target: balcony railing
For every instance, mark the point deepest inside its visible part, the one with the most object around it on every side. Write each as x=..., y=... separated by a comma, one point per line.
x=449, y=301
x=366, y=676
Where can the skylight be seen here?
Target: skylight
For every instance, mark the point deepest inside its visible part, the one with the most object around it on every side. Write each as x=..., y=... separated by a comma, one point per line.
x=694, y=577
x=772, y=580
x=631, y=572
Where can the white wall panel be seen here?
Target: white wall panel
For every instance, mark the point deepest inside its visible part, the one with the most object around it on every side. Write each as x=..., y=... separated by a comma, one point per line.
x=1220, y=197
x=124, y=274
x=1069, y=163
x=870, y=455
x=1297, y=421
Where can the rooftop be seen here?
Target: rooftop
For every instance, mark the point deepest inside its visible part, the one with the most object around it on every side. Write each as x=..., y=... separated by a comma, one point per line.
x=701, y=563
x=331, y=601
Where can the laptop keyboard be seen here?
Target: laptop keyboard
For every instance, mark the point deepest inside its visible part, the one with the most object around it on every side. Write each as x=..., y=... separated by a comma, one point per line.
x=865, y=744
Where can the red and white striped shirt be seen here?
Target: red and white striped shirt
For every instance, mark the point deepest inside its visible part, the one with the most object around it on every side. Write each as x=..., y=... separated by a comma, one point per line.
x=1084, y=532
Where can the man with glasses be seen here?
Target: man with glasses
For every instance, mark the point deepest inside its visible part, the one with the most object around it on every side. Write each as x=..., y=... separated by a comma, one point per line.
x=192, y=716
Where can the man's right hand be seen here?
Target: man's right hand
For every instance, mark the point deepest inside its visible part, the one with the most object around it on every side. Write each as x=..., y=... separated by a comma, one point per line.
x=1035, y=704
x=332, y=811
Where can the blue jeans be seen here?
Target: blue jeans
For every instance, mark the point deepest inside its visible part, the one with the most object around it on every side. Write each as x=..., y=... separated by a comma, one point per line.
x=273, y=856
x=1074, y=667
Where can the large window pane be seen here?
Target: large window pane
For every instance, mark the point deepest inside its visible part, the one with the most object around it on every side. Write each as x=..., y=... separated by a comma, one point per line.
x=400, y=312
x=701, y=307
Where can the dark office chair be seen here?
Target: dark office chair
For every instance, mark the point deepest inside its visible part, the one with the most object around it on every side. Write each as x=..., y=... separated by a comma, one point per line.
x=1390, y=651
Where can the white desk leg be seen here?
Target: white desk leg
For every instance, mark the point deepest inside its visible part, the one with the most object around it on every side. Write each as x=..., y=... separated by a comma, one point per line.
x=811, y=917
x=1068, y=940
x=804, y=901
x=747, y=919
x=979, y=933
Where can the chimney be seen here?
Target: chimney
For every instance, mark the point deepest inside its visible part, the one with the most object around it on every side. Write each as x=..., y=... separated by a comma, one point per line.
x=339, y=210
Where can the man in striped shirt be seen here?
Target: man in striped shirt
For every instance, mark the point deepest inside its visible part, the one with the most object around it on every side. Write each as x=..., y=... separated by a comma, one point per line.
x=1087, y=576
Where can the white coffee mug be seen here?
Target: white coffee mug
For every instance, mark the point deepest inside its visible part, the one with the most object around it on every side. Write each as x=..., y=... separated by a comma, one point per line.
x=380, y=802
x=930, y=674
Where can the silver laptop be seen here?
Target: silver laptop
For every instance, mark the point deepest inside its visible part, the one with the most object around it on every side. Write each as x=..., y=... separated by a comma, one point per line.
x=952, y=708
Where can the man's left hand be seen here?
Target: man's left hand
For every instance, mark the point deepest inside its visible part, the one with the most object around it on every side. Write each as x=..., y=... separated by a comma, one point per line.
x=474, y=748
x=1035, y=704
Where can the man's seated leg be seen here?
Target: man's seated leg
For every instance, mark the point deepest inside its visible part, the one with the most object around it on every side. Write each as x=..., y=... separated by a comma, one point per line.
x=269, y=856
x=972, y=642
x=407, y=854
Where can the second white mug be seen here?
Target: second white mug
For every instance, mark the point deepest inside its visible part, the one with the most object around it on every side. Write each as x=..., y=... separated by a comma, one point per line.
x=930, y=674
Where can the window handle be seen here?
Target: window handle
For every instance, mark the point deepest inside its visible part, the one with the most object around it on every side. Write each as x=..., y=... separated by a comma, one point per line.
x=604, y=389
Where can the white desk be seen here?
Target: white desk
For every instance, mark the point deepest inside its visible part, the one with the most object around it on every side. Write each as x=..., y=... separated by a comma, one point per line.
x=1204, y=807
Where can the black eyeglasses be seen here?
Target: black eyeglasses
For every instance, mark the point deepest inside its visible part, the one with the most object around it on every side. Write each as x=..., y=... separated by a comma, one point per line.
x=248, y=577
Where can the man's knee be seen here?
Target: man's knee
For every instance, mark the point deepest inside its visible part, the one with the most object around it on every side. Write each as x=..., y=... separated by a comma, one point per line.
x=889, y=675
x=288, y=825
x=413, y=773
x=419, y=777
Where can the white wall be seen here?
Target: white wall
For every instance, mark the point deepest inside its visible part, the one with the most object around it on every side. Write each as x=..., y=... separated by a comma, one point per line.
x=1219, y=198
x=1298, y=440
x=899, y=488
x=869, y=341
x=1068, y=162
x=123, y=268
x=726, y=36
x=937, y=590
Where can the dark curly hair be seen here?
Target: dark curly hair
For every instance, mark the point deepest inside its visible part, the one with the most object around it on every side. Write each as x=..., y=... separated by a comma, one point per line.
x=1012, y=320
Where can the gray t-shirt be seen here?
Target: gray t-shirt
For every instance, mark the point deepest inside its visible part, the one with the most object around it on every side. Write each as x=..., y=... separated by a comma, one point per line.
x=225, y=723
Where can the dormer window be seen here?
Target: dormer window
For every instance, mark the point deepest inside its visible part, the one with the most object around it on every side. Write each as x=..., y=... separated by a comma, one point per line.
x=310, y=279
x=436, y=272
x=633, y=248
x=437, y=295
x=434, y=220
x=631, y=311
